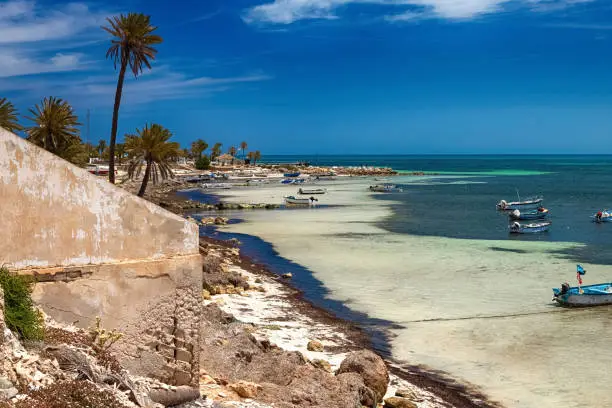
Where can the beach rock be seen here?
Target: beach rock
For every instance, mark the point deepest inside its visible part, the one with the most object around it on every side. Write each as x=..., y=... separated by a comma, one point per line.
x=314, y=345
x=353, y=383
x=399, y=402
x=287, y=275
x=245, y=389
x=370, y=367
x=406, y=393
x=322, y=364
x=205, y=294
x=220, y=221
x=8, y=393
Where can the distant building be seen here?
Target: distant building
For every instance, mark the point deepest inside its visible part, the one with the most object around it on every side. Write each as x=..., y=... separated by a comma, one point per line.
x=227, y=160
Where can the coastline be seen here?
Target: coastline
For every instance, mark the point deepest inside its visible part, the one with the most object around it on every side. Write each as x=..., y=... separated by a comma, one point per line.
x=435, y=389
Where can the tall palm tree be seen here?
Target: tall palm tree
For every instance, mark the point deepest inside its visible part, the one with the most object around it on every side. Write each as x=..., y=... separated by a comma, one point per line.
x=243, y=146
x=55, y=129
x=198, y=147
x=256, y=156
x=151, y=145
x=232, y=151
x=215, y=151
x=132, y=45
x=8, y=116
x=101, y=147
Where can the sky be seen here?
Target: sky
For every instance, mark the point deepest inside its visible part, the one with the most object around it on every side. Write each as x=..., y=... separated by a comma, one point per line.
x=331, y=76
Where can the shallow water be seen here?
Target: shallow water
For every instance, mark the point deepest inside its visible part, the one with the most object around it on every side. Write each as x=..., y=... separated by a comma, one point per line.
x=437, y=260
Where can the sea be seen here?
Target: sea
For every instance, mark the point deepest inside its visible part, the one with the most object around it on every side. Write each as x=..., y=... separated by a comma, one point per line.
x=435, y=268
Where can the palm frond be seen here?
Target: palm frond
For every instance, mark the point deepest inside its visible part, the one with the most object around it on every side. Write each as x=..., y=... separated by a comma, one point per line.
x=8, y=116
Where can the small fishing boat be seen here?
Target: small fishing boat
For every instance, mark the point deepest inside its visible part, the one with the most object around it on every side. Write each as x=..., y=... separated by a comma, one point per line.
x=296, y=174
x=602, y=216
x=582, y=296
x=324, y=176
x=385, y=188
x=538, y=214
x=220, y=186
x=300, y=201
x=531, y=203
x=533, y=228
x=312, y=191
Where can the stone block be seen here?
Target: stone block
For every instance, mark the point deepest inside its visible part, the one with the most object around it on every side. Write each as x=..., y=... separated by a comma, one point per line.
x=183, y=355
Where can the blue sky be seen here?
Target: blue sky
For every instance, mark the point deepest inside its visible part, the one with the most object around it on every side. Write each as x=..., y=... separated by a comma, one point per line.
x=333, y=76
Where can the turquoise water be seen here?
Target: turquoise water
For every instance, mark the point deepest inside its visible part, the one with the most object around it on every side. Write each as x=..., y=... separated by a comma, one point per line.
x=436, y=263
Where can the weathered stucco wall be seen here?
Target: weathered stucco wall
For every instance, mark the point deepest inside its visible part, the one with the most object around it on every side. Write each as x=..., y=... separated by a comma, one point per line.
x=99, y=251
x=58, y=214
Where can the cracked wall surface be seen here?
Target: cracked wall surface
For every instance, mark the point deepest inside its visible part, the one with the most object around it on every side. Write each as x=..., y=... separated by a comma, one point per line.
x=97, y=250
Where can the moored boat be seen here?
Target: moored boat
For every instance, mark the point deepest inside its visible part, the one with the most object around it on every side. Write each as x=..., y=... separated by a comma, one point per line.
x=538, y=214
x=385, y=188
x=532, y=203
x=533, y=228
x=221, y=186
x=602, y=216
x=296, y=174
x=312, y=191
x=582, y=296
x=300, y=201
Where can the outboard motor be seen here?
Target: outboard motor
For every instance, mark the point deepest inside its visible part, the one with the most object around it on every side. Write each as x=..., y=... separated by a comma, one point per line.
x=565, y=287
x=516, y=214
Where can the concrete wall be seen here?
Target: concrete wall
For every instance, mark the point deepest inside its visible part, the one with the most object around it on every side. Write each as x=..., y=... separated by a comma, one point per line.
x=98, y=250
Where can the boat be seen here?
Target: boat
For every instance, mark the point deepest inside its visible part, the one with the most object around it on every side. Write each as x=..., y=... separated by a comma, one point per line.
x=324, y=176
x=531, y=203
x=300, y=201
x=582, y=296
x=533, y=228
x=602, y=216
x=98, y=170
x=385, y=188
x=312, y=191
x=538, y=214
x=296, y=174
x=221, y=186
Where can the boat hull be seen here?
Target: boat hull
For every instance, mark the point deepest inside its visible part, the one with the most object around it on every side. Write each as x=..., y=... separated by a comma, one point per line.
x=529, y=215
x=520, y=205
x=311, y=191
x=593, y=295
x=530, y=228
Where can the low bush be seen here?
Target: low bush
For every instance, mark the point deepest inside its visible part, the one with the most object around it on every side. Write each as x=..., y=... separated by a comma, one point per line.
x=20, y=315
x=73, y=394
x=203, y=163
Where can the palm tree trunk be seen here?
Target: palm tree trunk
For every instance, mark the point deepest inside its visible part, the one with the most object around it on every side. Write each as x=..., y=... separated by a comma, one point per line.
x=145, y=180
x=113, y=138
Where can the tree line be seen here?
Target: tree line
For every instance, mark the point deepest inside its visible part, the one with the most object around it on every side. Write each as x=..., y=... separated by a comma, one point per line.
x=54, y=126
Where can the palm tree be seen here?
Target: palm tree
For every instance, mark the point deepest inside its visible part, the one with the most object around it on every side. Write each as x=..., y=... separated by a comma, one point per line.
x=8, y=116
x=232, y=151
x=101, y=147
x=256, y=156
x=120, y=152
x=55, y=129
x=198, y=147
x=243, y=146
x=151, y=145
x=215, y=151
x=132, y=45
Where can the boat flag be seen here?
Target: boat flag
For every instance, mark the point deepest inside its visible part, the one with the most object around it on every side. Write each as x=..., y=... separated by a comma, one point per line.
x=579, y=272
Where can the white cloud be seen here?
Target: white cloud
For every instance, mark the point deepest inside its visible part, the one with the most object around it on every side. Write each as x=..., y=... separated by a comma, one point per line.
x=31, y=35
x=289, y=11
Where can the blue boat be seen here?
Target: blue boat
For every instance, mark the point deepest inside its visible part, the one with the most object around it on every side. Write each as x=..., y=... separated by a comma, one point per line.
x=533, y=228
x=538, y=214
x=583, y=296
x=530, y=203
x=292, y=174
x=602, y=216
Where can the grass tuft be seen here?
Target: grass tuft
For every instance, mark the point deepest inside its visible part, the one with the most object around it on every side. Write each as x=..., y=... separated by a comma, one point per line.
x=20, y=315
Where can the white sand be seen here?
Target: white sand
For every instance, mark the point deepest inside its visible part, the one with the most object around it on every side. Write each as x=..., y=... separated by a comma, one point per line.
x=530, y=358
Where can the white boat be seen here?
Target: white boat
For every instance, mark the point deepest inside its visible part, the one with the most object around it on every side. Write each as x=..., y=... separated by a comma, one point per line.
x=222, y=186
x=312, y=191
x=385, y=188
x=531, y=203
x=533, y=228
x=300, y=201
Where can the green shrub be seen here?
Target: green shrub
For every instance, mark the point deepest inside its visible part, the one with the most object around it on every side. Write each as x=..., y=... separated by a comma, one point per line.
x=20, y=315
x=73, y=394
x=203, y=163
